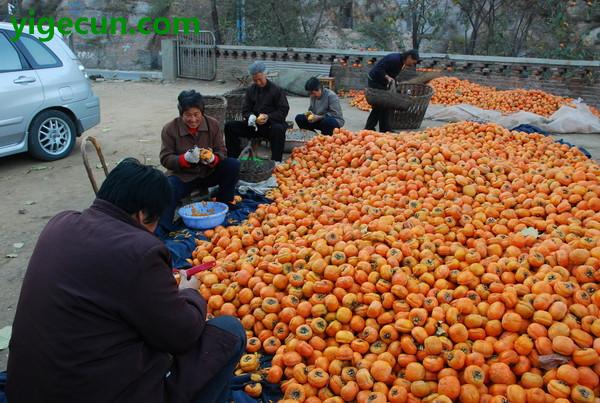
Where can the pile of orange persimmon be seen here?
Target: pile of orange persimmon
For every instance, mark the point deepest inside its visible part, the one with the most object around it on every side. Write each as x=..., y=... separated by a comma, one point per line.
x=358, y=99
x=452, y=91
x=460, y=263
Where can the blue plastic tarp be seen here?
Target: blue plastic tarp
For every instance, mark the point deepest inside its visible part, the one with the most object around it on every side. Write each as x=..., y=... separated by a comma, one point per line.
x=270, y=392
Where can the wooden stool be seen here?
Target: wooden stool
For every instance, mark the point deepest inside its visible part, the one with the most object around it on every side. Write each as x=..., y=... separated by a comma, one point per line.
x=328, y=82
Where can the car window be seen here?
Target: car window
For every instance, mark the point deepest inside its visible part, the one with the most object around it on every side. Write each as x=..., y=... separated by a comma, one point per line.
x=9, y=57
x=42, y=56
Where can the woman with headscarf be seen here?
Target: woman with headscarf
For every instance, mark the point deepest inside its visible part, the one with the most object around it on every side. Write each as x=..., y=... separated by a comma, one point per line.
x=194, y=153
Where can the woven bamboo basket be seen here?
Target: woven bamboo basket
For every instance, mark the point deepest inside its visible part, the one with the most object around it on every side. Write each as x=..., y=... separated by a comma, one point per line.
x=412, y=116
x=387, y=99
x=252, y=169
x=406, y=74
x=235, y=100
x=215, y=107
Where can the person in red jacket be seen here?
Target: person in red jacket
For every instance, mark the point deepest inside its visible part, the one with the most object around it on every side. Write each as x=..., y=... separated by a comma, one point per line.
x=101, y=317
x=194, y=153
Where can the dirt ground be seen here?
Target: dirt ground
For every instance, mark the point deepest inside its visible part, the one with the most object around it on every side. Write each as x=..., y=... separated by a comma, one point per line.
x=133, y=114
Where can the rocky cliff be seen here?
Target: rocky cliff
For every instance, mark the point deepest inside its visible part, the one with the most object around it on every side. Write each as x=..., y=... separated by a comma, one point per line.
x=575, y=32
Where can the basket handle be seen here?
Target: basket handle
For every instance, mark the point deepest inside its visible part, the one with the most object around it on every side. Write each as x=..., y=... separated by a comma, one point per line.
x=247, y=150
x=86, y=162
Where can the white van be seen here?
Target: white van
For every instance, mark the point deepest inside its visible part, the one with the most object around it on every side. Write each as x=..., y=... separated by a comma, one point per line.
x=46, y=100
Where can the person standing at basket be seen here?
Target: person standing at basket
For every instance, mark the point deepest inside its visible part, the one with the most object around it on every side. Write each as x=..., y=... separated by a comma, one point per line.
x=324, y=112
x=264, y=111
x=381, y=77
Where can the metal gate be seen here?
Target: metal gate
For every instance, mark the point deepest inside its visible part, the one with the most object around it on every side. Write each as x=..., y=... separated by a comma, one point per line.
x=196, y=55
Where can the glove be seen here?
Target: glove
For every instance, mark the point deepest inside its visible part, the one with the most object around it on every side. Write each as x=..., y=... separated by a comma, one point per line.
x=192, y=156
x=184, y=283
x=252, y=122
x=207, y=157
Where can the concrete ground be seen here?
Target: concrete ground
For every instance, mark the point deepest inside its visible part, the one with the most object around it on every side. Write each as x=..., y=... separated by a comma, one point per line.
x=133, y=114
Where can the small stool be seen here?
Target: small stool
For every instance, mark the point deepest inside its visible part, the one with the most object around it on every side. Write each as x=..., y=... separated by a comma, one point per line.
x=328, y=82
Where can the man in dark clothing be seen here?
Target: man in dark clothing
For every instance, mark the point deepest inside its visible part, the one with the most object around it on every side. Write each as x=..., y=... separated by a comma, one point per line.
x=101, y=318
x=264, y=111
x=380, y=77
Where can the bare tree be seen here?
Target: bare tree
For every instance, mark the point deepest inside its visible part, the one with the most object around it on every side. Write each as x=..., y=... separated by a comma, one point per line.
x=527, y=13
x=280, y=23
x=493, y=10
x=312, y=34
x=347, y=14
x=425, y=17
x=475, y=13
x=287, y=22
x=214, y=14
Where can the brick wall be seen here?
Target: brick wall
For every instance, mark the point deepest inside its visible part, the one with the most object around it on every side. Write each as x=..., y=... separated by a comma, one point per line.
x=567, y=78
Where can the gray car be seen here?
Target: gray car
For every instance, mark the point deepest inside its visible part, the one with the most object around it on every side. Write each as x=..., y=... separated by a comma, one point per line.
x=46, y=99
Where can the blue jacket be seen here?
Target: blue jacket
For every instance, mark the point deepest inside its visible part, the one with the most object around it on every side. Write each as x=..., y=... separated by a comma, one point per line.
x=391, y=65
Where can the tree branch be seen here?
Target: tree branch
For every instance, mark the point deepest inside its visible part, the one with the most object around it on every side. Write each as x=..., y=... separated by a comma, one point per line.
x=319, y=22
x=281, y=26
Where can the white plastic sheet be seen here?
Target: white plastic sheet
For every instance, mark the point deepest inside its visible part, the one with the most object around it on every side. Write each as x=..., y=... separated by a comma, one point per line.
x=259, y=187
x=565, y=120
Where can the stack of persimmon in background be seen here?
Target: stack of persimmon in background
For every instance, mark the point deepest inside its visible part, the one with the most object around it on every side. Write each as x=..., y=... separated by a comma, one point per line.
x=452, y=91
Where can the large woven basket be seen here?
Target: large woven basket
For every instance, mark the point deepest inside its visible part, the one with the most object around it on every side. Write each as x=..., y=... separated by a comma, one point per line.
x=387, y=99
x=407, y=73
x=254, y=170
x=235, y=100
x=412, y=116
x=215, y=107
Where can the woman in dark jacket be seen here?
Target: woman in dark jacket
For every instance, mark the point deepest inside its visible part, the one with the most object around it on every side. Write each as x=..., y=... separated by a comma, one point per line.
x=380, y=77
x=194, y=153
x=101, y=318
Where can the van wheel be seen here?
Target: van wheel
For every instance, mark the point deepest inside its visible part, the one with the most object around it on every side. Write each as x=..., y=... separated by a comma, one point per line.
x=51, y=136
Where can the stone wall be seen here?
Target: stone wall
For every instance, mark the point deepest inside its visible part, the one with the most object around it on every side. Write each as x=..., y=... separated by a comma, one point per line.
x=570, y=78
x=123, y=52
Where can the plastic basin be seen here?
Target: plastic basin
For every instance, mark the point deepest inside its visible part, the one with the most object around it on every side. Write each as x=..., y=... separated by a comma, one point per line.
x=203, y=215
